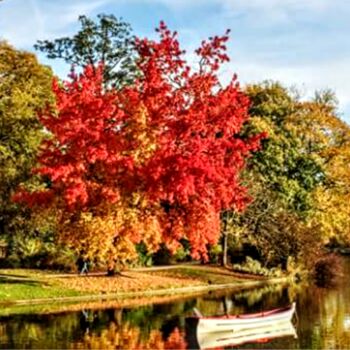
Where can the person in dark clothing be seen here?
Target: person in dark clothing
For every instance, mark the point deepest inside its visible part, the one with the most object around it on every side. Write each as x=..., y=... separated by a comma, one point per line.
x=85, y=268
x=82, y=265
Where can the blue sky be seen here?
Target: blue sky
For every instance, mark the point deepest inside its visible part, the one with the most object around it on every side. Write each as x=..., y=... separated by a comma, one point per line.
x=302, y=43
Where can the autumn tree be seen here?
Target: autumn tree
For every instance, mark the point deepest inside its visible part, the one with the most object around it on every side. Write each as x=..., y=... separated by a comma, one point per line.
x=282, y=177
x=326, y=136
x=156, y=161
x=194, y=171
x=282, y=163
x=107, y=40
x=25, y=87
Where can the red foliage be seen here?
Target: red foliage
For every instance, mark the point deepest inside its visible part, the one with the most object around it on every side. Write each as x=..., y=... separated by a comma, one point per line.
x=192, y=172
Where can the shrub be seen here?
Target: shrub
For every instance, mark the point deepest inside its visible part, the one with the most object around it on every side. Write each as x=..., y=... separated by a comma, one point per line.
x=215, y=254
x=164, y=257
x=254, y=267
x=38, y=250
x=144, y=257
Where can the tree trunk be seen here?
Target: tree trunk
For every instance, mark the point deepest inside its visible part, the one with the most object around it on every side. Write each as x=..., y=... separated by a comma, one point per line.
x=114, y=272
x=111, y=272
x=224, y=250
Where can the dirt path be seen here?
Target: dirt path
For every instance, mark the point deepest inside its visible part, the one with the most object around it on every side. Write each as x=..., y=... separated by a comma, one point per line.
x=194, y=266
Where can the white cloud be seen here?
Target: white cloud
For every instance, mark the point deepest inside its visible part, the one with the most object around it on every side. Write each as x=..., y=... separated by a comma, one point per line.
x=298, y=42
x=334, y=75
x=23, y=22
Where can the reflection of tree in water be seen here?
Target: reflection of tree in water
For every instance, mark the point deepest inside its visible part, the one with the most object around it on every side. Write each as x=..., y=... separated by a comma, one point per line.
x=325, y=321
x=38, y=331
x=254, y=300
x=270, y=296
x=3, y=334
x=59, y=330
x=164, y=317
x=125, y=336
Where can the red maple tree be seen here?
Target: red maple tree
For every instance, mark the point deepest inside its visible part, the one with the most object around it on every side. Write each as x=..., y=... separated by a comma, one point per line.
x=167, y=145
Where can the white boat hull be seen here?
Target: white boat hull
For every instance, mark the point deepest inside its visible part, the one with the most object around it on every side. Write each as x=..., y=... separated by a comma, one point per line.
x=226, y=338
x=209, y=325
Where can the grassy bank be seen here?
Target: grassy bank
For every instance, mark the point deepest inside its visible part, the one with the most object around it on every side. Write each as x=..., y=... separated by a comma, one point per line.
x=20, y=286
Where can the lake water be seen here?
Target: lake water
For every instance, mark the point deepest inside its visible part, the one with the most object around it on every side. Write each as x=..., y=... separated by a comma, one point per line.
x=322, y=322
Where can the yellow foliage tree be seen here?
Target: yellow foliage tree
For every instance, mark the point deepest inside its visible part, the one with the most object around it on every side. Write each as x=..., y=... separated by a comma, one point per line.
x=327, y=137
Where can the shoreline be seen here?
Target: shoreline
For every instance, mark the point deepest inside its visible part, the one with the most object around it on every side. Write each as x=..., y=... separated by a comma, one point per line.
x=155, y=292
x=48, y=290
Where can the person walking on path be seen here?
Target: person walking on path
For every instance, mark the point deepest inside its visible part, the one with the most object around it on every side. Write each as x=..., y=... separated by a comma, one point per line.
x=85, y=268
x=83, y=265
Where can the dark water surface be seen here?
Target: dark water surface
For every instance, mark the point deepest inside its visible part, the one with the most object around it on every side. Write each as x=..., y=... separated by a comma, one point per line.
x=322, y=322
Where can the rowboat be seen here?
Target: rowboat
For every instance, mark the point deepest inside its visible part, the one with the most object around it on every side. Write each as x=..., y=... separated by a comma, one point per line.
x=261, y=334
x=210, y=332
x=238, y=322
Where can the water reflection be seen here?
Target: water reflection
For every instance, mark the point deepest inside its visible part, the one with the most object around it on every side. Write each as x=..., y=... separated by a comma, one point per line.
x=127, y=337
x=262, y=334
x=323, y=322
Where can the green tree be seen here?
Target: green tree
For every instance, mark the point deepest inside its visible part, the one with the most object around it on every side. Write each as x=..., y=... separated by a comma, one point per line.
x=25, y=87
x=326, y=136
x=107, y=41
x=283, y=164
x=282, y=177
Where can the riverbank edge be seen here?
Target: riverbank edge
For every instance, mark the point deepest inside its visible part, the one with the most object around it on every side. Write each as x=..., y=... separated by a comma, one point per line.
x=149, y=293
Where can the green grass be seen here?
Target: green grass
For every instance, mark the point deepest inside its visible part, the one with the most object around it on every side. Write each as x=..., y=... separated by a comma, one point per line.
x=29, y=284
x=25, y=284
